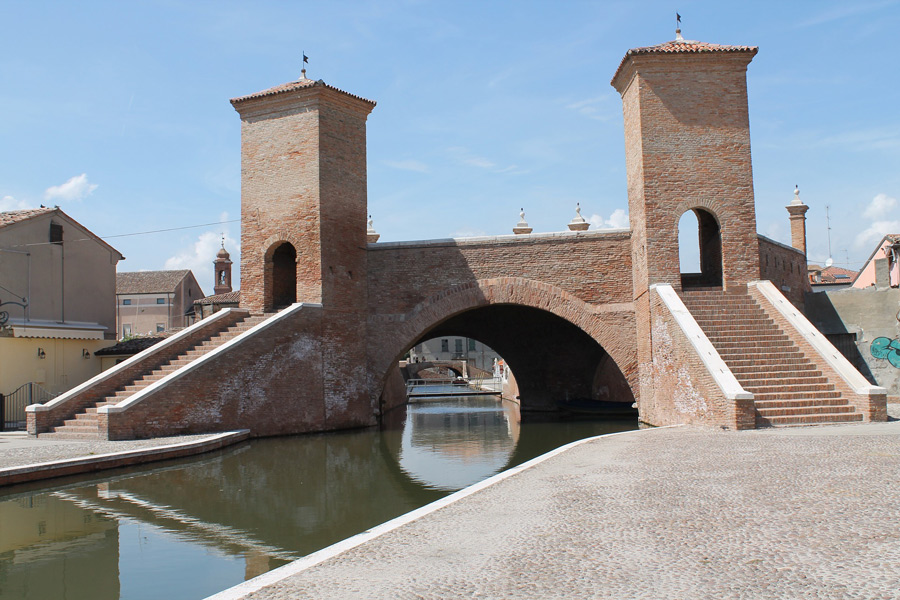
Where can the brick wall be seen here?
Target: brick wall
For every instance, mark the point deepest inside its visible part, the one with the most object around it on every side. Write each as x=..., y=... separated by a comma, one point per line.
x=271, y=381
x=785, y=267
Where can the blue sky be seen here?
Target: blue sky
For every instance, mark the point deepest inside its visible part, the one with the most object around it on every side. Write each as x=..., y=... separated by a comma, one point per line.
x=118, y=112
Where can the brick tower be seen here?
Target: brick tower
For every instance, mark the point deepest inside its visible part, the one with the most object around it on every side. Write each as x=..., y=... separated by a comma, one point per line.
x=303, y=196
x=303, y=224
x=687, y=147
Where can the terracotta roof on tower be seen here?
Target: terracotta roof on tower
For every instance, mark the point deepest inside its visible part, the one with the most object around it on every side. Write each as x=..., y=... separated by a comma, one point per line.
x=15, y=216
x=683, y=47
x=296, y=85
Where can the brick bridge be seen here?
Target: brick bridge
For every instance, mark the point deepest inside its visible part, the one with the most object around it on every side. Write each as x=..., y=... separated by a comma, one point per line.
x=580, y=313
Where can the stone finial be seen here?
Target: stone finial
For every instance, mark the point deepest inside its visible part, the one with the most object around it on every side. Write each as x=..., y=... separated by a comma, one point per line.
x=796, y=201
x=578, y=223
x=522, y=226
x=797, y=211
x=371, y=235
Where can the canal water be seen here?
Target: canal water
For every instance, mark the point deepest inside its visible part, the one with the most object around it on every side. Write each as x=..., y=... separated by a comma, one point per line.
x=190, y=528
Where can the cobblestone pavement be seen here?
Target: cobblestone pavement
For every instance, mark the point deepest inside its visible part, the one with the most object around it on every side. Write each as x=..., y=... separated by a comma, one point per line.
x=18, y=449
x=668, y=513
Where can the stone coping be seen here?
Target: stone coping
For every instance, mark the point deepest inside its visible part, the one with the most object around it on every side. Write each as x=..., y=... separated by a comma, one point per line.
x=111, y=460
x=508, y=239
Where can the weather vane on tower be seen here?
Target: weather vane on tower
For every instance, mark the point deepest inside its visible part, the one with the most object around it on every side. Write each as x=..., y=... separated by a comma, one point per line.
x=305, y=62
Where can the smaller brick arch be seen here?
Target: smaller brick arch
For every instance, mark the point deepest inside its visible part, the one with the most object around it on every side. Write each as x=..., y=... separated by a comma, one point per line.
x=710, y=245
x=280, y=274
x=612, y=331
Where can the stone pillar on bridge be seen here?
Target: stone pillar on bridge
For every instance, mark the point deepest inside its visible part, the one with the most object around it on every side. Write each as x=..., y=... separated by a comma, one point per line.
x=303, y=225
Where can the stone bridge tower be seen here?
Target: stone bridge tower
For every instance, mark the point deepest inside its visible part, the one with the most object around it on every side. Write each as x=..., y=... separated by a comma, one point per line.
x=687, y=147
x=303, y=223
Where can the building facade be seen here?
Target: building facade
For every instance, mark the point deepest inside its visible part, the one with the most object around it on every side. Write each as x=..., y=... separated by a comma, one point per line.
x=455, y=348
x=153, y=302
x=57, y=289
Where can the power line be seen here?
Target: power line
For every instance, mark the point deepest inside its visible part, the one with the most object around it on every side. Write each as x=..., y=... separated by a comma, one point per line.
x=108, y=237
x=119, y=235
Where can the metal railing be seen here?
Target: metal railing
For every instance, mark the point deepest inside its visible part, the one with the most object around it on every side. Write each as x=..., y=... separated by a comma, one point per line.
x=453, y=386
x=12, y=406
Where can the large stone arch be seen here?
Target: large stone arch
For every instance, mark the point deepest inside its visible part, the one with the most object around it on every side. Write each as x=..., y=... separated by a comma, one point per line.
x=612, y=327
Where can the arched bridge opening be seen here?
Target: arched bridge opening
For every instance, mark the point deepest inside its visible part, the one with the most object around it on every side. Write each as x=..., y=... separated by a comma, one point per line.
x=554, y=362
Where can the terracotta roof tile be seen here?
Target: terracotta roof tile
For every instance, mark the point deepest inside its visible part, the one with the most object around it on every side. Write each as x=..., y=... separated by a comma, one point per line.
x=15, y=216
x=683, y=47
x=149, y=282
x=295, y=85
x=226, y=298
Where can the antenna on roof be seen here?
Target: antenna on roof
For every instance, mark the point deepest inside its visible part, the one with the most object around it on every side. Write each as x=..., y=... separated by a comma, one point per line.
x=678, y=37
x=830, y=260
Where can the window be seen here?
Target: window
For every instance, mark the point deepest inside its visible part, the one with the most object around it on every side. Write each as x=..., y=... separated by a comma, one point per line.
x=445, y=345
x=126, y=329
x=458, y=345
x=160, y=327
x=471, y=345
x=160, y=300
x=126, y=302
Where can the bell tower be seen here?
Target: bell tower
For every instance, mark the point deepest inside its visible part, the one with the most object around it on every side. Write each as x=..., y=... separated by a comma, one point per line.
x=222, y=268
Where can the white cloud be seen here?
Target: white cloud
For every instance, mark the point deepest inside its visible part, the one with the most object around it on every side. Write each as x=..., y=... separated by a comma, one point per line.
x=874, y=232
x=465, y=157
x=601, y=108
x=76, y=188
x=879, y=210
x=10, y=203
x=881, y=206
x=199, y=257
x=408, y=165
x=617, y=220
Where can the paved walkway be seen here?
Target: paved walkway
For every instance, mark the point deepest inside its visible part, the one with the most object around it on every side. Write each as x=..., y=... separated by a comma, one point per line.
x=667, y=513
x=19, y=449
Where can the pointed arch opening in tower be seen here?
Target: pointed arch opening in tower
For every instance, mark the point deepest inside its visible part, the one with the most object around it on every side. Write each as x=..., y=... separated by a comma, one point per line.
x=700, y=249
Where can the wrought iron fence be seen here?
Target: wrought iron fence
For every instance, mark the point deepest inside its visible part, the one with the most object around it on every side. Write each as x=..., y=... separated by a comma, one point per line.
x=12, y=406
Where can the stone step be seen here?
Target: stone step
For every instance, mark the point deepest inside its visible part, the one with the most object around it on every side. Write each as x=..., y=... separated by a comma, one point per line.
x=743, y=362
x=819, y=419
x=786, y=388
x=769, y=404
x=75, y=429
x=82, y=420
x=761, y=375
x=796, y=395
x=805, y=410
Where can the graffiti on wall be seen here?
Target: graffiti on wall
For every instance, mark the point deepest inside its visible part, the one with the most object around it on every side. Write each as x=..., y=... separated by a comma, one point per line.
x=886, y=348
